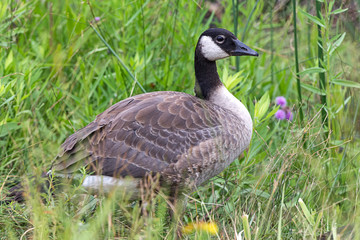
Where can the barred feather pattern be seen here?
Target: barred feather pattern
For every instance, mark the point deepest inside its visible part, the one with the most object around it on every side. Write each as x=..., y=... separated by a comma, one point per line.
x=184, y=139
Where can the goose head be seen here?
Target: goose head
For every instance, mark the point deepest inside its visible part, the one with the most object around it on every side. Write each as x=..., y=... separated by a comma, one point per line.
x=215, y=44
x=218, y=43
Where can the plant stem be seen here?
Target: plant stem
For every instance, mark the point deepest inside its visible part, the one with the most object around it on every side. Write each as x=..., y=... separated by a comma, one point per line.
x=235, y=15
x=309, y=32
x=272, y=42
x=322, y=82
x=297, y=66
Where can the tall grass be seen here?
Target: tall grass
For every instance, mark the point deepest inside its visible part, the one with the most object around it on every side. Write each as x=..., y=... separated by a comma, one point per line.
x=298, y=84
x=322, y=82
x=57, y=73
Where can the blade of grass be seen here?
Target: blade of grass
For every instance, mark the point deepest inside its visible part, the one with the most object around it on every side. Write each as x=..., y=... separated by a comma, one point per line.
x=272, y=42
x=343, y=158
x=118, y=58
x=248, y=20
x=280, y=215
x=245, y=29
x=246, y=225
x=297, y=66
x=235, y=4
x=308, y=32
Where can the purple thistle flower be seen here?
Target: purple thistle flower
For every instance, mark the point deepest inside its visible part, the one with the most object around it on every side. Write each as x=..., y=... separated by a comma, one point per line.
x=280, y=114
x=289, y=115
x=97, y=19
x=281, y=101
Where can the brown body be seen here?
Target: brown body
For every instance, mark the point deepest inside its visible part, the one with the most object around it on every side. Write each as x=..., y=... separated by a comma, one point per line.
x=185, y=139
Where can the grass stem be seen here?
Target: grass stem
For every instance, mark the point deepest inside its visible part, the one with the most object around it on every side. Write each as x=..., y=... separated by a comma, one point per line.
x=297, y=65
x=322, y=82
x=272, y=42
x=235, y=4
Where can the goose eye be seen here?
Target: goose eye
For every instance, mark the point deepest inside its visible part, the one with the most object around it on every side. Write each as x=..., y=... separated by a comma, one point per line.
x=220, y=39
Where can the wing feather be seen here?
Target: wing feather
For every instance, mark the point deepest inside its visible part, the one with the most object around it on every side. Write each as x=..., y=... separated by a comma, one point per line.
x=144, y=134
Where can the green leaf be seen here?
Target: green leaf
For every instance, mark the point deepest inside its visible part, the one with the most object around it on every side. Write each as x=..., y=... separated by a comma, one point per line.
x=9, y=59
x=331, y=4
x=272, y=113
x=231, y=81
x=246, y=226
x=9, y=127
x=339, y=10
x=262, y=106
x=306, y=212
x=256, y=192
x=8, y=100
x=312, y=70
x=337, y=43
x=345, y=83
x=312, y=18
x=313, y=89
x=342, y=105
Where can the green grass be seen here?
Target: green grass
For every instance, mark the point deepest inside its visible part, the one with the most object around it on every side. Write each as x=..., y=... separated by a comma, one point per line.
x=56, y=75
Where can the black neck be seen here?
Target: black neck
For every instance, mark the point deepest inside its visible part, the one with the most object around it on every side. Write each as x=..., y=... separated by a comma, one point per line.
x=207, y=78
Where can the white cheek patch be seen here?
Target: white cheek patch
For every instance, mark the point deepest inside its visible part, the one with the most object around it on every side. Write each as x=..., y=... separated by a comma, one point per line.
x=210, y=50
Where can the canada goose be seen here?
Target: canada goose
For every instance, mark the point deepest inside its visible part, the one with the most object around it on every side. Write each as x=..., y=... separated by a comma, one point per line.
x=184, y=139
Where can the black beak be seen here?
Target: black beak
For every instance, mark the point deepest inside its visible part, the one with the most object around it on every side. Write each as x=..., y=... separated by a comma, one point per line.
x=241, y=50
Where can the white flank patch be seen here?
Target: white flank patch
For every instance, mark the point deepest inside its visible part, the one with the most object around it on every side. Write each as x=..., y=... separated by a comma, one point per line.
x=210, y=50
x=222, y=97
x=106, y=184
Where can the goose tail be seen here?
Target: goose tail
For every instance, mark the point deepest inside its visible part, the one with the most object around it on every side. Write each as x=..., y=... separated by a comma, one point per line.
x=18, y=192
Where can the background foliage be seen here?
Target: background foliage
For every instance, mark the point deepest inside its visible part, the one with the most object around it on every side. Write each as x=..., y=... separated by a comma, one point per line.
x=298, y=178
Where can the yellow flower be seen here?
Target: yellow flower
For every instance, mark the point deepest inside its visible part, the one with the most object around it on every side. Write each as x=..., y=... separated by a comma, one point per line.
x=208, y=227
